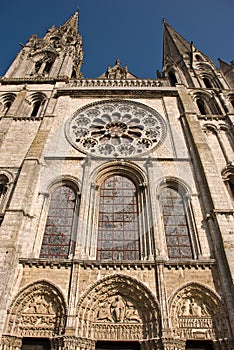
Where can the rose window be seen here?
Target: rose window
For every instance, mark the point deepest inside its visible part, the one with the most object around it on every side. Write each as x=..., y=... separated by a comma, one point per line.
x=115, y=129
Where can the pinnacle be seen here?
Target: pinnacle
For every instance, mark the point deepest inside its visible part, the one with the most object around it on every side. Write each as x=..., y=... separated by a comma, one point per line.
x=72, y=22
x=70, y=26
x=224, y=66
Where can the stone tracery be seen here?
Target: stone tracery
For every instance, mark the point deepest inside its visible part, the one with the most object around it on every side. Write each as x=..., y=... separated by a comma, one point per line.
x=116, y=129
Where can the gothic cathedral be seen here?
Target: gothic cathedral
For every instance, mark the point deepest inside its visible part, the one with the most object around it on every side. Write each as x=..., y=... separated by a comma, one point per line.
x=116, y=201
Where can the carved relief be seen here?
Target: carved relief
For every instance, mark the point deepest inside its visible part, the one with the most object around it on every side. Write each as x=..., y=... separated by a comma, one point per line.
x=197, y=314
x=118, y=308
x=115, y=129
x=38, y=311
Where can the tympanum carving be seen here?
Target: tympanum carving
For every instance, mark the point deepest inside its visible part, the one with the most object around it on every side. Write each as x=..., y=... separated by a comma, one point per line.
x=118, y=308
x=197, y=314
x=37, y=311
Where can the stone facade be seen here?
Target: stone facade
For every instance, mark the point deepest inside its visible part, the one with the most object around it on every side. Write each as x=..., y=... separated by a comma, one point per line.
x=116, y=201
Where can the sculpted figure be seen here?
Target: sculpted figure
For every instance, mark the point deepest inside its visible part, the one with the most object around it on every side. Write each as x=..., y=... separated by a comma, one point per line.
x=131, y=313
x=118, y=309
x=195, y=309
x=104, y=312
x=185, y=309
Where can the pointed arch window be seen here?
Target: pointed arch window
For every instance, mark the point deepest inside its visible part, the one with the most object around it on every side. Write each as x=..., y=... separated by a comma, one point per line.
x=176, y=224
x=58, y=241
x=118, y=227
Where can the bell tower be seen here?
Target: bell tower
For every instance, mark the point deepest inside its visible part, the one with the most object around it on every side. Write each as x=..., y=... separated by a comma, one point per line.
x=59, y=54
x=184, y=63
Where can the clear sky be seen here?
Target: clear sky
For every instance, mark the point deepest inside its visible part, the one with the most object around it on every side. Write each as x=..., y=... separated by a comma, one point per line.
x=130, y=30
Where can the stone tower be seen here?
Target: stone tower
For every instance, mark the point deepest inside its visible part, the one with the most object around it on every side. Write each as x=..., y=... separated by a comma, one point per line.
x=116, y=201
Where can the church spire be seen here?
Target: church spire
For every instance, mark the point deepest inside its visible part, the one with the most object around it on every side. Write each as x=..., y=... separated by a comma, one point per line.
x=58, y=54
x=228, y=71
x=174, y=45
x=68, y=30
x=184, y=63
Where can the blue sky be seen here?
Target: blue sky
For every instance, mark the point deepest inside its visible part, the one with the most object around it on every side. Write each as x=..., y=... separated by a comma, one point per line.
x=131, y=30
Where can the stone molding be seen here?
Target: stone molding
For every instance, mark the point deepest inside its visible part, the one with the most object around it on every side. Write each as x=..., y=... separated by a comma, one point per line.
x=118, y=265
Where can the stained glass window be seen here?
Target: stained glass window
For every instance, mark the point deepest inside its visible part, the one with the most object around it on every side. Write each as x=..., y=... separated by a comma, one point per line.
x=58, y=231
x=118, y=228
x=175, y=224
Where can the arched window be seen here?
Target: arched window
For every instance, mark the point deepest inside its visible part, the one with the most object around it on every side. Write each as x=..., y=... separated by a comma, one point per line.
x=7, y=101
x=38, y=65
x=4, y=183
x=201, y=106
x=207, y=82
x=118, y=226
x=172, y=78
x=58, y=241
x=208, y=105
x=36, y=107
x=215, y=109
x=48, y=66
x=175, y=224
x=37, y=102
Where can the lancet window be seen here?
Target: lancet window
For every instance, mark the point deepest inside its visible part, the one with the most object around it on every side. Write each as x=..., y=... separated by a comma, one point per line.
x=58, y=240
x=176, y=224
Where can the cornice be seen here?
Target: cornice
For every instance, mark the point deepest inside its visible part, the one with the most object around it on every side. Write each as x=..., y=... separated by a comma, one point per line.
x=33, y=80
x=118, y=265
x=150, y=92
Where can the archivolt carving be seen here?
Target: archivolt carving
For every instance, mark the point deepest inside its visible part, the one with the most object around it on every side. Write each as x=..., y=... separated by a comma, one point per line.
x=197, y=313
x=118, y=308
x=39, y=310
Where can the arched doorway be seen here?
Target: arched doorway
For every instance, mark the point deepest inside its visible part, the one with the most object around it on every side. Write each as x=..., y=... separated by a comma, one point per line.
x=36, y=316
x=197, y=315
x=118, y=311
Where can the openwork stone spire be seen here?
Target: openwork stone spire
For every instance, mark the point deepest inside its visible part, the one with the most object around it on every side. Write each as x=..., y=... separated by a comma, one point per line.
x=58, y=54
